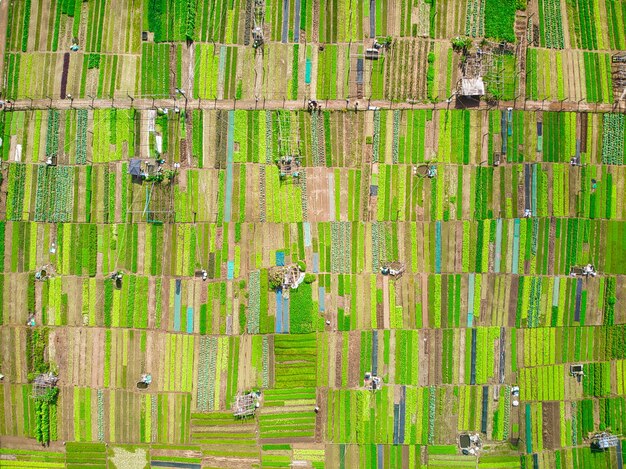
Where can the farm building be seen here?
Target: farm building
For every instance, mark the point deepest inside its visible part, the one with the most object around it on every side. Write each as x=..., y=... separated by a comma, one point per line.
x=472, y=87
x=134, y=168
x=43, y=383
x=245, y=405
x=371, y=54
x=603, y=441
x=395, y=269
x=289, y=276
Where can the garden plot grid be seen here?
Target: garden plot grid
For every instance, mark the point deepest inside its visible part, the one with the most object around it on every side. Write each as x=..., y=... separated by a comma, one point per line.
x=458, y=267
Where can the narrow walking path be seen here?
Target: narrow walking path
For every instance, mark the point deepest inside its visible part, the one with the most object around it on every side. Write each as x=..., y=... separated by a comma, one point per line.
x=338, y=105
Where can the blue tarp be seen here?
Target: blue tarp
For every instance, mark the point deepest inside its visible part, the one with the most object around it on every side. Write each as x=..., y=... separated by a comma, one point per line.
x=286, y=315
x=279, y=311
x=189, y=320
x=296, y=23
x=285, y=33
x=321, y=298
x=470, y=300
x=498, y=253
x=280, y=258
x=516, y=228
x=555, y=291
x=316, y=262
x=306, y=226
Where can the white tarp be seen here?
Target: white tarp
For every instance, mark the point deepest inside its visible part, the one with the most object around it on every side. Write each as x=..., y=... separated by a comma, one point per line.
x=151, y=119
x=472, y=87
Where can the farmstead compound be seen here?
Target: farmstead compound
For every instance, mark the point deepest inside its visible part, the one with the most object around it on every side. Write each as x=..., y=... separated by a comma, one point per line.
x=312, y=233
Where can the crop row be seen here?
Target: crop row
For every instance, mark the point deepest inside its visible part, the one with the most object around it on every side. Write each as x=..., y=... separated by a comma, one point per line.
x=550, y=24
x=613, y=138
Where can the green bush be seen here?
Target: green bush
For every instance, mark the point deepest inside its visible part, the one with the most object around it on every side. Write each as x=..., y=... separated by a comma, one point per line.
x=301, y=265
x=309, y=278
x=459, y=44
x=274, y=283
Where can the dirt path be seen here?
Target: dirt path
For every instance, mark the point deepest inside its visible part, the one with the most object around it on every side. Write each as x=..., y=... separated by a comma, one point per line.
x=340, y=104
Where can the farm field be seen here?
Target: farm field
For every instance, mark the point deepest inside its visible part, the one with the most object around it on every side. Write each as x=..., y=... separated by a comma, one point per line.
x=211, y=248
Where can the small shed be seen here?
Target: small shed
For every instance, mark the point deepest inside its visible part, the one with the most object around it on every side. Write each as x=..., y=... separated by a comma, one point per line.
x=245, y=405
x=472, y=87
x=576, y=370
x=603, y=441
x=372, y=382
x=396, y=268
x=145, y=381
x=43, y=383
x=619, y=58
x=371, y=54
x=134, y=168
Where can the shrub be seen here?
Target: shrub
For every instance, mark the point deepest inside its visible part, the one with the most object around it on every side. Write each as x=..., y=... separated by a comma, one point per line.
x=275, y=283
x=309, y=278
x=459, y=44
x=301, y=266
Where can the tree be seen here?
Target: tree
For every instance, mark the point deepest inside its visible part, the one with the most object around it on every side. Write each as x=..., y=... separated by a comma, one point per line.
x=461, y=44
